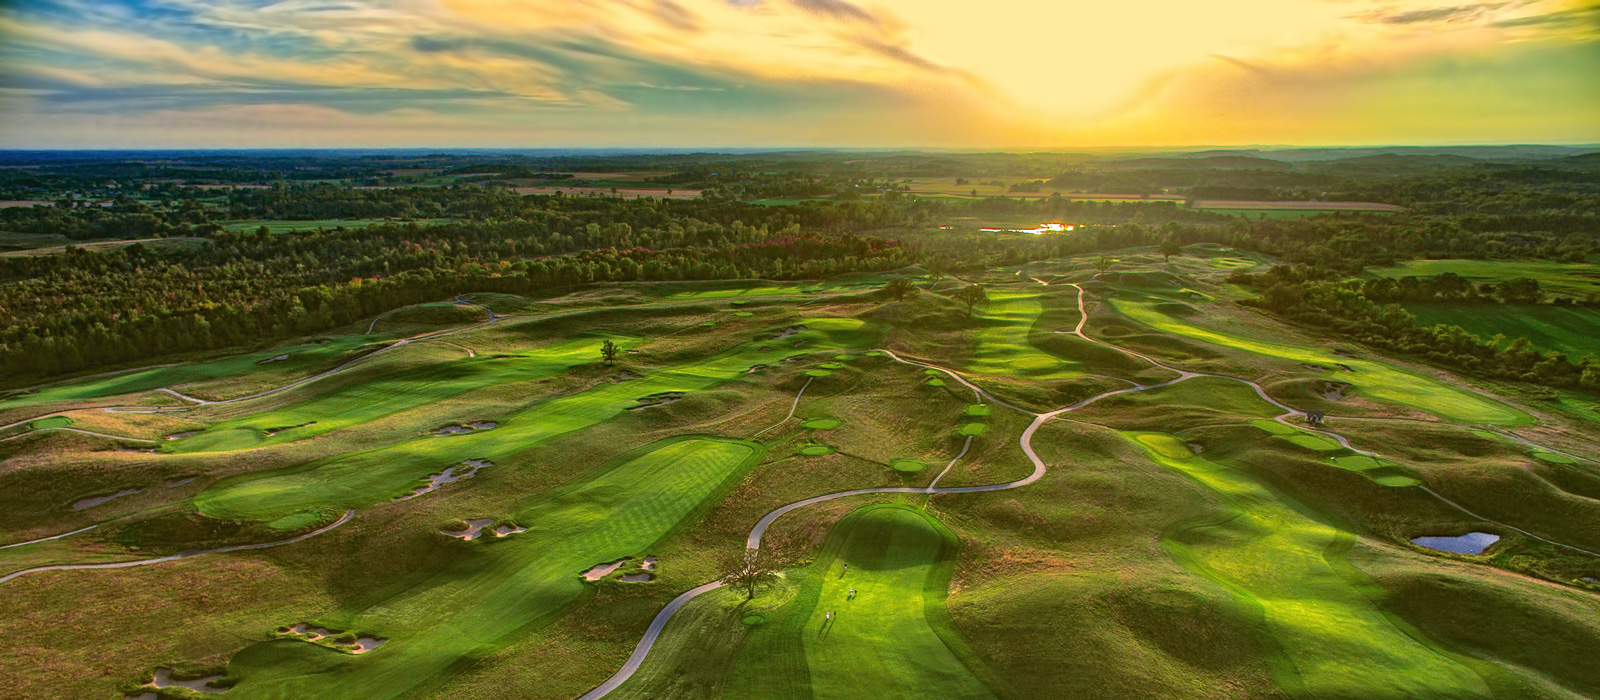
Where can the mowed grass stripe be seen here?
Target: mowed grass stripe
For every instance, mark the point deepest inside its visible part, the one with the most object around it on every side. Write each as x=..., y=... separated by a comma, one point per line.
x=363, y=478
x=1374, y=380
x=892, y=641
x=480, y=599
x=1275, y=555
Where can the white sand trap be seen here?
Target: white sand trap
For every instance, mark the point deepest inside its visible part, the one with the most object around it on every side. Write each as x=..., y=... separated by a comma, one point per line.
x=506, y=530
x=366, y=644
x=601, y=571
x=474, y=529
x=271, y=360
x=163, y=679
x=449, y=475
x=638, y=578
x=472, y=427
x=182, y=435
x=92, y=502
x=649, y=564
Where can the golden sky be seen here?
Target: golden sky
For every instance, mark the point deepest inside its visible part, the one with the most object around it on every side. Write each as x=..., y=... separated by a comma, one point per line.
x=775, y=73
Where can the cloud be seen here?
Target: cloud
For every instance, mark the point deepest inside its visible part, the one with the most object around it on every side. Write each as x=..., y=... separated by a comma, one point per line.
x=839, y=10
x=676, y=16
x=1459, y=13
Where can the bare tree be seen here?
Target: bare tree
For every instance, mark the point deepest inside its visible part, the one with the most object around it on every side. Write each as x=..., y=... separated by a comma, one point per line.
x=971, y=295
x=752, y=574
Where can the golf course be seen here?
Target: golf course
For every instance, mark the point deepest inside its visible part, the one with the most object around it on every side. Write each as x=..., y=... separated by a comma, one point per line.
x=719, y=447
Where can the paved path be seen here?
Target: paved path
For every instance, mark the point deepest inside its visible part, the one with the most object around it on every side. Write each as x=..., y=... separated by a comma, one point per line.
x=753, y=541
x=174, y=557
x=47, y=539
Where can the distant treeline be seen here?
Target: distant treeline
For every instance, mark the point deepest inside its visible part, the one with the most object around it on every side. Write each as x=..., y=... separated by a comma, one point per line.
x=1365, y=311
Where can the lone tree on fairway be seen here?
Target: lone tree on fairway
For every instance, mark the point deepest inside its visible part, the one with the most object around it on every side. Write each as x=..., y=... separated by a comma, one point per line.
x=1103, y=263
x=610, y=351
x=1170, y=248
x=752, y=574
x=899, y=288
x=971, y=295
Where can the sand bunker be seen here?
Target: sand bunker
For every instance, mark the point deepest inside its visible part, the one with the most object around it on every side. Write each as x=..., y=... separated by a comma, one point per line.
x=649, y=564
x=271, y=360
x=755, y=368
x=600, y=571
x=179, y=482
x=182, y=435
x=1334, y=391
x=454, y=429
x=346, y=642
x=474, y=529
x=163, y=679
x=92, y=502
x=638, y=578
x=1470, y=543
x=449, y=475
x=658, y=399
x=479, y=527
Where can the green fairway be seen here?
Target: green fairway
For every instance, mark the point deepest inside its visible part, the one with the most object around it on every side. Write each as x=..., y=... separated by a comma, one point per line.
x=374, y=476
x=1373, y=379
x=301, y=360
x=973, y=429
x=1278, y=557
x=1574, y=279
x=822, y=423
x=478, y=599
x=1572, y=330
x=386, y=387
x=891, y=640
x=1002, y=345
x=816, y=449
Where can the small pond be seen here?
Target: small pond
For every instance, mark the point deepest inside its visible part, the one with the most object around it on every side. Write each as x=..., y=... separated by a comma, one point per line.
x=1470, y=543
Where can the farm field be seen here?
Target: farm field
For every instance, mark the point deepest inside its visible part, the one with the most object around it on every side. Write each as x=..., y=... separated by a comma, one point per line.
x=1576, y=279
x=447, y=500
x=1566, y=329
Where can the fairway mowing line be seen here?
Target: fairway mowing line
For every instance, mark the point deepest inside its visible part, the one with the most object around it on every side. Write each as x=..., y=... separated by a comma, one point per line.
x=417, y=339
x=80, y=430
x=792, y=407
x=47, y=539
x=753, y=542
x=180, y=555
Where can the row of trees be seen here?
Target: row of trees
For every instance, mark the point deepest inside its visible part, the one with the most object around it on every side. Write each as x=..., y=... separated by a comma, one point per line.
x=1342, y=308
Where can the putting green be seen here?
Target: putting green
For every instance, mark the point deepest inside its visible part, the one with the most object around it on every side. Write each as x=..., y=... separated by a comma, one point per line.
x=358, y=479
x=1374, y=379
x=743, y=314
x=818, y=373
x=909, y=466
x=1278, y=557
x=822, y=423
x=974, y=429
x=816, y=449
x=50, y=422
x=475, y=603
x=978, y=409
x=892, y=639
x=1273, y=426
x=1313, y=442
x=935, y=382
x=831, y=365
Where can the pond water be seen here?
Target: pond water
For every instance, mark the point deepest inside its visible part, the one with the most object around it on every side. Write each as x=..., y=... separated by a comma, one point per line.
x=1470, y=543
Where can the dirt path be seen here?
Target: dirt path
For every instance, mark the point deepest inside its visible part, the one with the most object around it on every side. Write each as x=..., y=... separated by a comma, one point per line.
x=174, y=557
x=753, y=541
